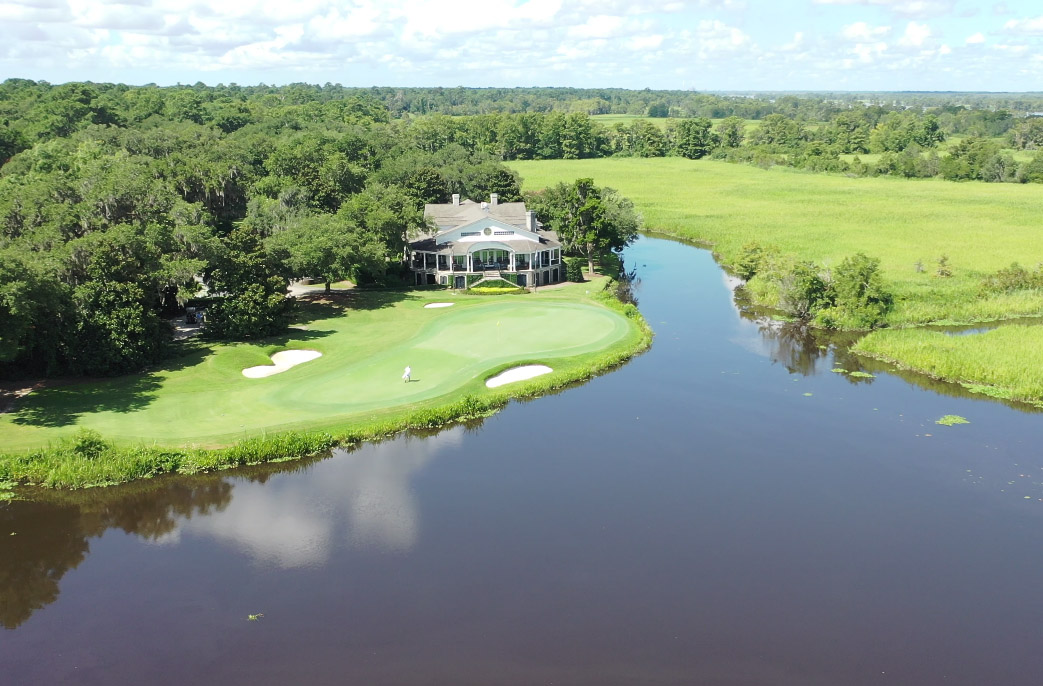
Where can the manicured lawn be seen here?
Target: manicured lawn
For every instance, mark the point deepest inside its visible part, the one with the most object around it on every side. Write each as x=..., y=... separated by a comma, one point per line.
x=366, y=339
x=905, y=222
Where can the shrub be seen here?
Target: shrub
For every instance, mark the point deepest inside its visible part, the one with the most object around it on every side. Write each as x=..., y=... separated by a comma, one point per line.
x=856, y=295
x=87, y=444
x=751, y=259
x=944, y=271
x=574, y=269
x=496, y=290
x=1012, y=278
x=801, y=290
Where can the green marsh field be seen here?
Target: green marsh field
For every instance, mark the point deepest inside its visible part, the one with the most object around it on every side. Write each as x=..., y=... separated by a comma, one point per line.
x=909, y=224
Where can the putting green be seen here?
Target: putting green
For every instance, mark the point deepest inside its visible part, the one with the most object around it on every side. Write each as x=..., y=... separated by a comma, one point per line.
x=208, y=401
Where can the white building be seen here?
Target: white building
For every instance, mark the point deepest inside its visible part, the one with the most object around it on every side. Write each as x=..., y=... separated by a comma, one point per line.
x=489, y=240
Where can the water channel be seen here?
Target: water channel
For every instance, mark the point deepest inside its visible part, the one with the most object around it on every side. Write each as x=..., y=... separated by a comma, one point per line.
x=723, y=509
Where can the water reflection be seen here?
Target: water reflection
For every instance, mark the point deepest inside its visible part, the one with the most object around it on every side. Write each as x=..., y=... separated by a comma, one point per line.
x=728, y=533
x=41, y=540
x=364, y=500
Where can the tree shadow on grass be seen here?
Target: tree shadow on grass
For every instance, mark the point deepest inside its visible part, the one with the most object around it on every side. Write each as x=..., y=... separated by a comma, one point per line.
x=321, y=305
x=60, y=402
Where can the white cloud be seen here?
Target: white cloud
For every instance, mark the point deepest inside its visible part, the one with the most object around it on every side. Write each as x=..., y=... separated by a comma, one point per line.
x=905, y=8
x=641, y=43
x=600, y=26
x=861, y=32
x=714, y=37
x=1027, y=26
x=915, y=35
x=869, y=52
x=975, y=39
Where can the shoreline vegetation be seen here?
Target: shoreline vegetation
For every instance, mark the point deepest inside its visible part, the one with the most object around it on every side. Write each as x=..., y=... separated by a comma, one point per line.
x=945, y=251
x=1001, y=363
x=87, y=458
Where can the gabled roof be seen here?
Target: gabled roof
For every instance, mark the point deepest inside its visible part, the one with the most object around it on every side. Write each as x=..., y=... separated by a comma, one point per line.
x=448, y=215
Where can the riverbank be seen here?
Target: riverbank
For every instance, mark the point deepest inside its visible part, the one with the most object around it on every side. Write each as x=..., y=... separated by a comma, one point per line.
x=1001, y=363
x=909, y=224
x=200, y=412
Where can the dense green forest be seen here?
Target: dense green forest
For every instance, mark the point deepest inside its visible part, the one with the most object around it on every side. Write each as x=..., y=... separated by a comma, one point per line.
x=119, y=203
x=115, y=202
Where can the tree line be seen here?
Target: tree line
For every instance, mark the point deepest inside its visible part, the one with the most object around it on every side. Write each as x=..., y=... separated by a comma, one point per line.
x=119, y=203
x=114, y=213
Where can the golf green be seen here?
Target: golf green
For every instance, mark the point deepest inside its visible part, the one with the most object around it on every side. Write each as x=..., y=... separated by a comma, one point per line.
x=207, y=400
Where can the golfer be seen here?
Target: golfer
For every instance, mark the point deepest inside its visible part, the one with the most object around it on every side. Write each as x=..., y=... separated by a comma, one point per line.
x=405, y=374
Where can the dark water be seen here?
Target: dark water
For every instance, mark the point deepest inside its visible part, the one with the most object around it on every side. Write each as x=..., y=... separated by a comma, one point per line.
x=722, y=510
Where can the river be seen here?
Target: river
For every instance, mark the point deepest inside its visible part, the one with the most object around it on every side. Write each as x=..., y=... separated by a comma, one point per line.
x=723, y=509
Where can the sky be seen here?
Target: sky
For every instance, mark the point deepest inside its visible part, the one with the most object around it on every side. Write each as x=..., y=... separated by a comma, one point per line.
x=705, y=45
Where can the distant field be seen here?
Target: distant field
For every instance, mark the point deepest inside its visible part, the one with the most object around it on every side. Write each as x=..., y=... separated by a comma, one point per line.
x=610, y=120
x=980, y=227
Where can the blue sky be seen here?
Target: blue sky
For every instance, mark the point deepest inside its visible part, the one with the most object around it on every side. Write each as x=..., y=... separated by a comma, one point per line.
x=694, y=44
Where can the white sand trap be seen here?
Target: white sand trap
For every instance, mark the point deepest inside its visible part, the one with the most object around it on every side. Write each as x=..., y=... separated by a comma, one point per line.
x=518, y=374
x=431, y=306
x=282, y=360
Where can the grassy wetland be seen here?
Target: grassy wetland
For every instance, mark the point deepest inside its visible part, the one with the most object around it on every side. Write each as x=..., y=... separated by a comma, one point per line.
x=938, y=243
x=1001, y=363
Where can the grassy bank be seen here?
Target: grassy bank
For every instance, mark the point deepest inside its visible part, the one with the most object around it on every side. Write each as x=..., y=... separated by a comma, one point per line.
x=178, y=419
x=908, y=223
x=1001, y=363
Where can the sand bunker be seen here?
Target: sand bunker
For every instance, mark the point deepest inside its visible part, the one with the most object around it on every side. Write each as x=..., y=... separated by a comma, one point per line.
x=282, y=360
x=430, y=306
x=518, y=374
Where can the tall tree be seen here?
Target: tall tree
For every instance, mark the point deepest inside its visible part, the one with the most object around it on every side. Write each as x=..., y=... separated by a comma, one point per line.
x=589, y=220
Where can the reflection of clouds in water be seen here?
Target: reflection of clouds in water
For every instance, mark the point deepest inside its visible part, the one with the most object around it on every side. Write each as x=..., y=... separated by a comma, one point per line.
x=730, y=282
x=293, y=522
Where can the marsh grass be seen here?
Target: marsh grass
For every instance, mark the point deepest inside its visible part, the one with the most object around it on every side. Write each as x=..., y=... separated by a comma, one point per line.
x=980, y=227
x=1001, y=363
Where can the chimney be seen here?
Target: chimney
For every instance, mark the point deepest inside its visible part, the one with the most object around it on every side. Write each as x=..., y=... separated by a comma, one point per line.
x=456, y=198
x=494, y=199
x=530, y=220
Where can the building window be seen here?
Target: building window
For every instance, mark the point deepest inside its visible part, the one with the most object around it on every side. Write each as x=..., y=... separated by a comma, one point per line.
x=554, y=255
x=503, y=233
x=466, y=234
x=443, y=263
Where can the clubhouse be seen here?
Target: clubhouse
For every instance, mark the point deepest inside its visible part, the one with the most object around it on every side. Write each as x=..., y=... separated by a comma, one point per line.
x=470, y=242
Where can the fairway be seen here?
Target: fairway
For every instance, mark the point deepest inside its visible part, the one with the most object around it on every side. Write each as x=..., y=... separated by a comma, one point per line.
x=907, y=223
x=206, y=400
